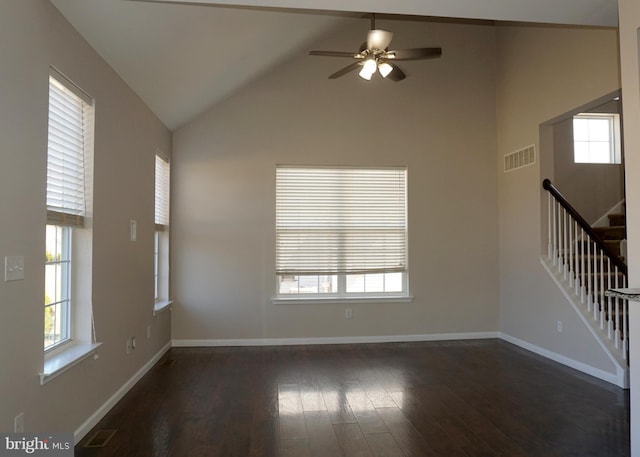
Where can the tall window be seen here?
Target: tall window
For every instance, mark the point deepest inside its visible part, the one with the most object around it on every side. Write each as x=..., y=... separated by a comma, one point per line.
x=596, y=138
x=341, y=232
x=69, y=137
x=161, y=235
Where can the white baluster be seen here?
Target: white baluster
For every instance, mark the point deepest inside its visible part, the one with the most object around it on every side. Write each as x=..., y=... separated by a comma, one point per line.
x=582, y=277
x=564, y=250
x=625, y=329
x=571, y=259
x=616, y=323
x=609, y=316
x=549, y=225
x=559, y=238
x=595, y=292
x=589, y=278
x=576, y=258
x=602, y=297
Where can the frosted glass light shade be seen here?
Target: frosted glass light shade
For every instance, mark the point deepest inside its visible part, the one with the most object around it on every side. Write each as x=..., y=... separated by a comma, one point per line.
x=384, y=68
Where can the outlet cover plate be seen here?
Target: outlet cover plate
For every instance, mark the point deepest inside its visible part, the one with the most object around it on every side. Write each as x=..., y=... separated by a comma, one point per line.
x=14, y=268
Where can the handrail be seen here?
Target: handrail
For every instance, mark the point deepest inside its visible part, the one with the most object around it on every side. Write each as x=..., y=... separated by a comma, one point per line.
x=615, y=258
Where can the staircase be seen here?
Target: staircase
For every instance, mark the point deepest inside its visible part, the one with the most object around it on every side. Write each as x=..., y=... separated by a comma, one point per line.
x=585, y=262
x=614, y=233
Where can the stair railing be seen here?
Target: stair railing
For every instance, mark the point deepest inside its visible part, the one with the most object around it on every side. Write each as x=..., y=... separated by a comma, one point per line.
x=589, y=266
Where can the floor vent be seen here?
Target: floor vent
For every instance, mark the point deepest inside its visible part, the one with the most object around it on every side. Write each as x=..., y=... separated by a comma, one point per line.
x=168, y=362
x=100, y=438
x=519, y=159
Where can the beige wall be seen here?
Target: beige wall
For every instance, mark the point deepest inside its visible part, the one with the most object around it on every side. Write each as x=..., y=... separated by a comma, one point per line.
x=543, y=72
x=33, y=36
x=439, y=122
x=630, y=70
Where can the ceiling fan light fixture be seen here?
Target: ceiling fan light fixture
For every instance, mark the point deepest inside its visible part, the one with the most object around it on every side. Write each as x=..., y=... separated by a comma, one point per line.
x=368, y=69
x=384, y=68
x=365, y=75
x=374, y=55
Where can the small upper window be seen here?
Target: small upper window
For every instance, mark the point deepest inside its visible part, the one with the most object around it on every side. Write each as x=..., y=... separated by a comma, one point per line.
x=596, y=138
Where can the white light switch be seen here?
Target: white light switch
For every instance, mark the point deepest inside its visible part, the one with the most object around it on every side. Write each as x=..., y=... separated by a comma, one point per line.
x=13, y=268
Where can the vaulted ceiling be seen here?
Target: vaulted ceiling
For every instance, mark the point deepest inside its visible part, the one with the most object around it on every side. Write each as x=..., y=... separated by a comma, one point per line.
x=183, y=56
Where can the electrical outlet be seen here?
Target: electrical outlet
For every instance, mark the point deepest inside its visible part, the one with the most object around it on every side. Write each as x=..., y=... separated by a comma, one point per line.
x=18, y=423
x=348, y=313
x=559, y=326
x=133, y=342
x=129, y=347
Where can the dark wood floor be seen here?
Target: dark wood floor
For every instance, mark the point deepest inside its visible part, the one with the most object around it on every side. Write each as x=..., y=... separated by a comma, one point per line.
x=446, y=399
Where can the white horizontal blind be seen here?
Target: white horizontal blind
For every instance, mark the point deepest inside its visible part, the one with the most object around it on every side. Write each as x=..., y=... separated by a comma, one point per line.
x=340, y=220
x=162, y=193
x=68, y=115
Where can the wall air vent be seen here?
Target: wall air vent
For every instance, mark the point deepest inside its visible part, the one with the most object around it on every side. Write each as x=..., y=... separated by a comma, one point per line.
x=519, y=159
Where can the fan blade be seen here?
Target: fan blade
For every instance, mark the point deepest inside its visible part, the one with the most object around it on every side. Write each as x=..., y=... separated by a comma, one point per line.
x=333, y=54
x=379, y=39
x=414, y=54
x=396, y=74
x=345, y=70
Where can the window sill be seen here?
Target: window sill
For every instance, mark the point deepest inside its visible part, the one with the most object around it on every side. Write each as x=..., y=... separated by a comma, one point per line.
x=313, y=300
x=61, y=362
x=161, y=305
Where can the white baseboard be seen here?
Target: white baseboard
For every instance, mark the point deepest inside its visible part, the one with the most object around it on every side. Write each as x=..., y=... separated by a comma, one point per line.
x=618, y=379
x=116, y=397
x=333, y=340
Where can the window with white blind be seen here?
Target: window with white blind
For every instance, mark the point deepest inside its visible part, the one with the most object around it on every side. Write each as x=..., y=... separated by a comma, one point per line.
x=341, y=232
x=161, y=235
x=70, y=136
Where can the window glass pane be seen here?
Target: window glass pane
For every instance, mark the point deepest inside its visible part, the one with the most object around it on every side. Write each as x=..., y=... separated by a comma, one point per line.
x=599, y=153
x=328, y=284
x=374, y=282
x=156, y=252
x=288, y=284
x=581, y=152
x=308, y=284
x=599, y=129
x=393, y=282
x=52, y=283
x=355, y=283
x=52, y=324
x=580, y=129
x=57, y=285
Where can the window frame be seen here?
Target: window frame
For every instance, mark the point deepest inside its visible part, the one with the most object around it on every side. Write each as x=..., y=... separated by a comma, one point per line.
x=161, y=234
x=69, y=108
x=69, y=208
x=340, y=292
x=614, y=142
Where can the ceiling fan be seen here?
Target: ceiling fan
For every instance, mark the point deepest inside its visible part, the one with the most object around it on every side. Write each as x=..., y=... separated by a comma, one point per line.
x=374, y=55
